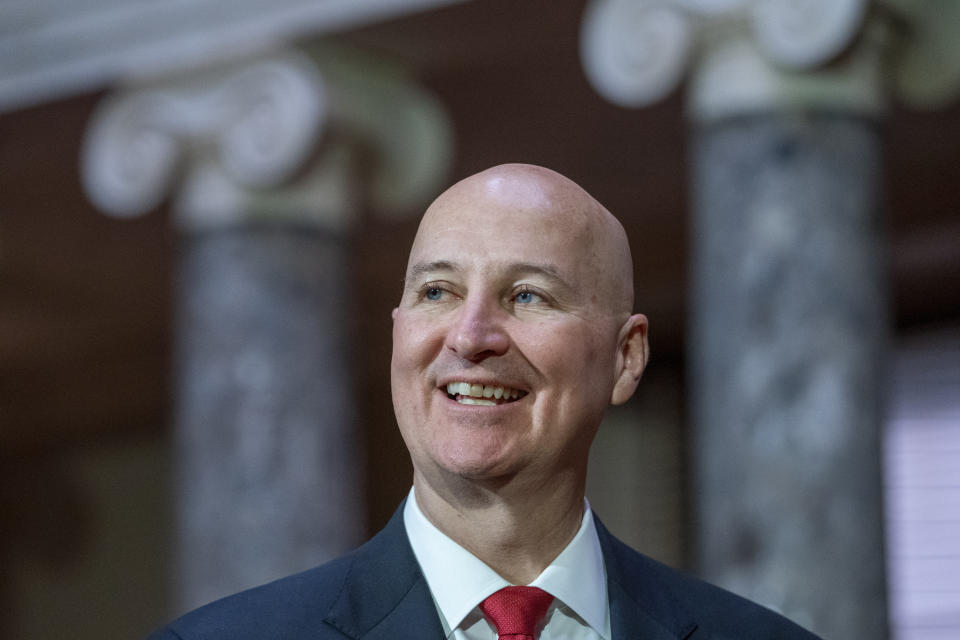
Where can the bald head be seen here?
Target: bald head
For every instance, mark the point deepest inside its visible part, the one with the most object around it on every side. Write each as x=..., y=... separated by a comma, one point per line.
x=522, y=204
x=514, y=332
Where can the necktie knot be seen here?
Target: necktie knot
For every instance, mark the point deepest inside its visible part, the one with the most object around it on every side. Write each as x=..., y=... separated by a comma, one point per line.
x=516, y=611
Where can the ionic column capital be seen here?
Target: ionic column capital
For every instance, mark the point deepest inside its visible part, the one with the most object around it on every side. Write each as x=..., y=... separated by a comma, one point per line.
x=278, y=136
x=755, y=55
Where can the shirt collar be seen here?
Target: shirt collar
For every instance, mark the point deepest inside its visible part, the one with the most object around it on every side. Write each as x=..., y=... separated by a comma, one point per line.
x=459, y=581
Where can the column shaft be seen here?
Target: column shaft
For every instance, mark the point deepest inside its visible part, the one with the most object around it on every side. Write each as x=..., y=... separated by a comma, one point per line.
x=789, y=329
x=268, y=467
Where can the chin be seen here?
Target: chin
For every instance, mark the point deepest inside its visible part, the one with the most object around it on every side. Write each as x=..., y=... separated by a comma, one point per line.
x=477, y=473
x=470, y=468
x=473, y=463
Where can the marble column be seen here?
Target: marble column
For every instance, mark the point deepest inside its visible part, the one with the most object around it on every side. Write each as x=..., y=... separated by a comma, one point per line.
x=789, y=304
x=263, y=159
x=788, y=334
x=270, y=471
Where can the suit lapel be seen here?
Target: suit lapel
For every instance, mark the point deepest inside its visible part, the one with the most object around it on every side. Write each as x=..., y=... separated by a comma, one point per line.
x=628, y=621
x=385, y=594
x=415, y=616
x=640, y=606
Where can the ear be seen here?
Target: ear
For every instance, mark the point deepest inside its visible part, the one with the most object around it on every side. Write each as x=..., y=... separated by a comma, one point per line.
x=393, y=314
x=632, y=354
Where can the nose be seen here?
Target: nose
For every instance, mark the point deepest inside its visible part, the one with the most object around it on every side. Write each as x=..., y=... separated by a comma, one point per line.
x=477, y=331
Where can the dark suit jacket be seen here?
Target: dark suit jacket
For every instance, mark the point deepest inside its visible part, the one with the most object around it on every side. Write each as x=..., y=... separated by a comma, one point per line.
x=377, y=592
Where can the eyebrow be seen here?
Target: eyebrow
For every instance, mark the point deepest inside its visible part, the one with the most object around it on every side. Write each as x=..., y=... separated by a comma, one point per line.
x=548, y=271
x=422, y=268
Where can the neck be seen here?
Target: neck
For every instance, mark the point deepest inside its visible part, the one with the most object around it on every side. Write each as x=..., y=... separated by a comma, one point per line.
x=514, y=526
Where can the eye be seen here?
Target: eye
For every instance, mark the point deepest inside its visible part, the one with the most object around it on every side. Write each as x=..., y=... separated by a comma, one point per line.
x=434, y=292
x=526, y=296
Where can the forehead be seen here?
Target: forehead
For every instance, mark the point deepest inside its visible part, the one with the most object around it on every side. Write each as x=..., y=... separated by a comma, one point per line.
x=507, y=222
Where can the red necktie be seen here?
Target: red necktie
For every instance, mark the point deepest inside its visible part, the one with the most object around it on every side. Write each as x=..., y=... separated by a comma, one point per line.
x=516, y=611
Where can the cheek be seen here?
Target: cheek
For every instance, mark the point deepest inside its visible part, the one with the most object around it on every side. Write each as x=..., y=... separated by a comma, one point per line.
x=410, y=342
x=574, y=348
x=404, y=367
x=581, y=364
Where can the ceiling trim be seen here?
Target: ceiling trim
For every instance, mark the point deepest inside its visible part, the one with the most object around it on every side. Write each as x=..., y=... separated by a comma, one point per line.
x=51, y=49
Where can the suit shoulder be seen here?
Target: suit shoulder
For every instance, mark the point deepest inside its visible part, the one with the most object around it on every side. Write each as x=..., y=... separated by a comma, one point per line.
x=719, y=614
x=283, y=608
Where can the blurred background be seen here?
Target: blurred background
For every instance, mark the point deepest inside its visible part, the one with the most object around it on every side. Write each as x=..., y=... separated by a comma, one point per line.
x=205, y=213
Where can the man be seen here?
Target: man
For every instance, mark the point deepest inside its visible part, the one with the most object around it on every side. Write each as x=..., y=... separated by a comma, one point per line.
x=513, y=334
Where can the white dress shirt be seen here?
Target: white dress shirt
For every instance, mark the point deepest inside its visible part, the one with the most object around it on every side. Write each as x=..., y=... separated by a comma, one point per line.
x=459, y=582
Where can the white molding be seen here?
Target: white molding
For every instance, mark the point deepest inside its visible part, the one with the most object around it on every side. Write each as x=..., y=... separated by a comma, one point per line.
x=50, y=49
x=246, y=140
x=734, y=78
x=808, y=33
x=747, y=56
x=635, y=52
x=263, y=119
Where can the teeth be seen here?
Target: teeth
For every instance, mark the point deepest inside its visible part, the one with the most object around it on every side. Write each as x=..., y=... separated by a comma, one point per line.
x=480, y=401
x=480, y=394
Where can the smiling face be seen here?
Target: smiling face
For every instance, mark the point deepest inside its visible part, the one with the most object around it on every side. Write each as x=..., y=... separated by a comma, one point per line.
x=514, y=332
